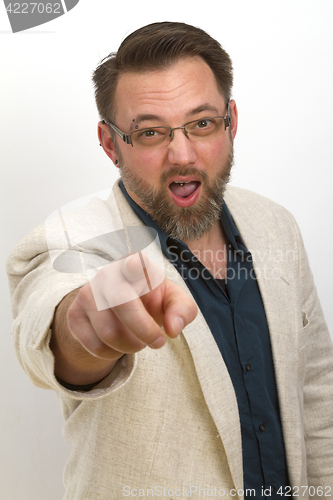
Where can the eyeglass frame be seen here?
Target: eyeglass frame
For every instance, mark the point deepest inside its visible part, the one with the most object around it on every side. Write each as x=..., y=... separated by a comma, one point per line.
x=128, y=139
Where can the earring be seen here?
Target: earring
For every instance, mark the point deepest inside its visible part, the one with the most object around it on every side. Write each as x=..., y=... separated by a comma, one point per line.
x=116, y=162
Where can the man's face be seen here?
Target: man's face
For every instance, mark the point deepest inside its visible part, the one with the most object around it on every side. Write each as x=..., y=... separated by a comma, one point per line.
x=153, y=177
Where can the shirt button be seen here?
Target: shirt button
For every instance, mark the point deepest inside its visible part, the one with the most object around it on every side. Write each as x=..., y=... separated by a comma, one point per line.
x=248, y=367
x=262, y=427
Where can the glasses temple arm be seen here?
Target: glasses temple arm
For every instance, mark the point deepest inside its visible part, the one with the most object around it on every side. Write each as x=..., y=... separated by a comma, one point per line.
x=126, y=138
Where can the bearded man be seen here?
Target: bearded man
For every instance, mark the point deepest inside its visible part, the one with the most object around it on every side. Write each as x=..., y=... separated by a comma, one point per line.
x=217, y=380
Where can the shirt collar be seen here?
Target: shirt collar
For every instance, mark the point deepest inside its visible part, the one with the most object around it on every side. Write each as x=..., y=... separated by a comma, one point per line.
x=231, y=231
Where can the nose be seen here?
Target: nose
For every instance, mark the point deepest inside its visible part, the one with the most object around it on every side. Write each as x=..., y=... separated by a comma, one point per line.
x=181, y=150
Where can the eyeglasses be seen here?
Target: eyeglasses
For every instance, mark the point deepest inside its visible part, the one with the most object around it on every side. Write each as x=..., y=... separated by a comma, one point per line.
x=157, y=137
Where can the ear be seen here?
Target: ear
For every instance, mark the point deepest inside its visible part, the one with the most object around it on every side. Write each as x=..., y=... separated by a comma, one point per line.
x=106, y=141
x=234, y=118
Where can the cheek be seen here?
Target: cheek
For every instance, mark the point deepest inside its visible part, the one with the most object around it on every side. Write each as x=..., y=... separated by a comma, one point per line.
x=146, y=164
x=213, y=152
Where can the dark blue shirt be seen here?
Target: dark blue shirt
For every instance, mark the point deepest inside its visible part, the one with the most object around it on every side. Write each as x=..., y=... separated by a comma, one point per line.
x=236, y=317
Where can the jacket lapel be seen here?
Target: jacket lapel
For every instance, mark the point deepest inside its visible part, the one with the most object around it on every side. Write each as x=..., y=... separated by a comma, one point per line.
x=270, y=265
x=216, y=386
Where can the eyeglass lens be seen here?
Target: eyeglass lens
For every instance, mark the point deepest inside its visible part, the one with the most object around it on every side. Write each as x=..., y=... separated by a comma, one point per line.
x=198, y=130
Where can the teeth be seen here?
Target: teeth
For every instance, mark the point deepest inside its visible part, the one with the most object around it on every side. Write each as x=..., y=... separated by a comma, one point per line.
x=182, y=183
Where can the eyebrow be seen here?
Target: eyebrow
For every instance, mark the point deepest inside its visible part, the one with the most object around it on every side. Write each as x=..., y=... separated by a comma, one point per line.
x=146, y=118
x=195, y=111
x=203, y=107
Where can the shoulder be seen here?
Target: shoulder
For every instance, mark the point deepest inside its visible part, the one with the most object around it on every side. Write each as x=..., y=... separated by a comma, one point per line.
x=244, y=197
x=252, y=207
x=78, y=221
x=260, y=220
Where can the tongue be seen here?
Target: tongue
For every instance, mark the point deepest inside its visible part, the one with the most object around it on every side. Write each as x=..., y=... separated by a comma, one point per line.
x=183, y=190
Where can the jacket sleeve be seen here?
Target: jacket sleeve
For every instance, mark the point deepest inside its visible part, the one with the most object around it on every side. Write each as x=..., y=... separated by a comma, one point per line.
x=318, y=383
x=36, y=289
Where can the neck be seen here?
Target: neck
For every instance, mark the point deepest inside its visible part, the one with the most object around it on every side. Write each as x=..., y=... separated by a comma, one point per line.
x=211, y=250
x=211, y=239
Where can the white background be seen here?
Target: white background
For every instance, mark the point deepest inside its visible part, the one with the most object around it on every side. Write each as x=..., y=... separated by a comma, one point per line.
x=282, y=54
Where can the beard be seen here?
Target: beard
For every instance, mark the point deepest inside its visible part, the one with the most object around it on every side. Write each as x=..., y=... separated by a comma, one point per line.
x=182, y=223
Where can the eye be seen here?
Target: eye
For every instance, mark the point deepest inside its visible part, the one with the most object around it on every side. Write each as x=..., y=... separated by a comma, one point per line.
x=150, y=136
x=202, y=128
x=204, y=123
x=146, y=134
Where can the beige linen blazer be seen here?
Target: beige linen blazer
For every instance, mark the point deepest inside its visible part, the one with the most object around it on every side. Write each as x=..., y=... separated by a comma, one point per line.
x=165, y=422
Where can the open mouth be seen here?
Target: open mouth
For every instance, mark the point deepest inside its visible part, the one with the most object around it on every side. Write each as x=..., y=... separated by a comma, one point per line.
x=185, y=193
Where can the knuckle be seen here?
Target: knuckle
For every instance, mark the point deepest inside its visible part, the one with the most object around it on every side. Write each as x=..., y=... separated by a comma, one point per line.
x=107, y=334
x=122, y=295
x=83, y=299
x=103, y=274
x=73, y=316
x=147, y=335
x=96, y=348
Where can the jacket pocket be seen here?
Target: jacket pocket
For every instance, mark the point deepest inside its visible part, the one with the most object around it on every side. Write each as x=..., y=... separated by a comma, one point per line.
x=300, y=346
x=302, y=335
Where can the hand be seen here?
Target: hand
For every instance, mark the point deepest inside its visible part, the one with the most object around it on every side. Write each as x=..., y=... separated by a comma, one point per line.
x=132, y=317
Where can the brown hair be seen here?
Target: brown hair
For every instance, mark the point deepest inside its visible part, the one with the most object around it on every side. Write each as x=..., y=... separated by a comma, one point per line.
x=157, y=46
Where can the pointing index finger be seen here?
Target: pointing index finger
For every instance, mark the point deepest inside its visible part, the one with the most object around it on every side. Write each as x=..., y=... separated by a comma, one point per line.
x=134, y=266
x=125, y=280
x=135, y=317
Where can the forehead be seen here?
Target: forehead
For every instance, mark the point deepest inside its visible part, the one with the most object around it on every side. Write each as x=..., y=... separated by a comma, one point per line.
x=169, y=93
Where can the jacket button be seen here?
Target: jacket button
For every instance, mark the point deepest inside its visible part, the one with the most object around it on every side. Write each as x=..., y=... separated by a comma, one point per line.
x=247, y=367
x=262, y=427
